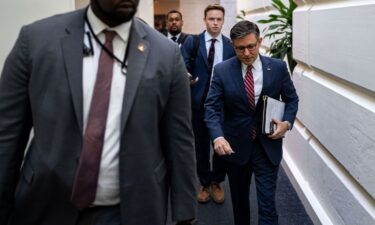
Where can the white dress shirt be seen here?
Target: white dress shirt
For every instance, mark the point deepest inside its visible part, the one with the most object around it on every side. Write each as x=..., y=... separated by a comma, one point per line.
x=108, y=182
x=218, y=47
x=170, y=36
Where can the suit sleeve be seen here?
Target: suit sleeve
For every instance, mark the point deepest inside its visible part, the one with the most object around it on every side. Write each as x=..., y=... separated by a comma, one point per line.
x=186, y=51
x=15, y=121
x=289, y=96
x=178, y=140
x=214, y=106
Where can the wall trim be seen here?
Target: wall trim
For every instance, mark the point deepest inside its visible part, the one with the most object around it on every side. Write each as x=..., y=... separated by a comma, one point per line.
x=313, y=207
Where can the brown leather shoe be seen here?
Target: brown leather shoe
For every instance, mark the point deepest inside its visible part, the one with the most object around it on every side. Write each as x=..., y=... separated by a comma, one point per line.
x=217, y=193
x=204, y=194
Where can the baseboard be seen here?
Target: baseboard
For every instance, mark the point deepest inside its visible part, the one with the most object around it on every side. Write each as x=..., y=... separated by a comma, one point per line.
x=313, y=207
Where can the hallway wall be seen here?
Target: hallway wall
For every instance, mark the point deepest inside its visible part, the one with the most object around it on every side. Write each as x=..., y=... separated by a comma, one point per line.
x=15, y=13
x=330, y=153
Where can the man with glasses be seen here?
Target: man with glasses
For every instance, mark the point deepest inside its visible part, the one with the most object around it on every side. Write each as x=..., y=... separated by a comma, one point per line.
x=174, y=27
x=233, y=116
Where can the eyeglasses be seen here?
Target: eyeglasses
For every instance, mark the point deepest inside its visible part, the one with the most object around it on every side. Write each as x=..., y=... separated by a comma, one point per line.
x=250, y=47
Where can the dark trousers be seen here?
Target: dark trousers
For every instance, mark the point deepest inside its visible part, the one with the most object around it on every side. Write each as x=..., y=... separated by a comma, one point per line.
x=265, y=180
x=101, y=215
x=203, y=148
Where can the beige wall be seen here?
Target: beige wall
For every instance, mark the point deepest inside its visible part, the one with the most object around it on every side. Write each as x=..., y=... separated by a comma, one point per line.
x=81, y=3
x=193, y=11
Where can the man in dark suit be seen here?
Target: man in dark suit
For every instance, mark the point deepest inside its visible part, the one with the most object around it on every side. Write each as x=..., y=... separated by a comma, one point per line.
x=174, y=27
x=233, y=116
x=108, y=100
x=199, y=59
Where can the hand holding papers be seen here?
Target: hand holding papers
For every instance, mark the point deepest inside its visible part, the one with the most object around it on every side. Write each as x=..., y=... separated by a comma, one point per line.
x=272, y=108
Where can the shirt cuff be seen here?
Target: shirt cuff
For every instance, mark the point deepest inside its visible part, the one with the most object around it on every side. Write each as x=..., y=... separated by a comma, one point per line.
x=218, y=138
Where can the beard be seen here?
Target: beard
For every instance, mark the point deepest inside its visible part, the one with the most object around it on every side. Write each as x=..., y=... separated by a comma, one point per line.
x=174, y=32
x=123, y=12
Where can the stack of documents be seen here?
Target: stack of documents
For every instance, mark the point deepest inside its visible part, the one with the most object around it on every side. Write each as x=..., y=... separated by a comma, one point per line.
x=272, y=108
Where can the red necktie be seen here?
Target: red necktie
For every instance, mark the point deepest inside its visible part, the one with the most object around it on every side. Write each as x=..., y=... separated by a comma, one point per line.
x=86, y=180
x=249, y=88
x=211, y=56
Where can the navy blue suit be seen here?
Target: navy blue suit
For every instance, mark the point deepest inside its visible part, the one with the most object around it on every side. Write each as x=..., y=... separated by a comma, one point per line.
x=228, y=115
x=198, y=96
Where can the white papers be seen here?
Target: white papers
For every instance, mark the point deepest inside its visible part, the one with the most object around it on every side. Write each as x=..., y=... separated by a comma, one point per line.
x=272, y=108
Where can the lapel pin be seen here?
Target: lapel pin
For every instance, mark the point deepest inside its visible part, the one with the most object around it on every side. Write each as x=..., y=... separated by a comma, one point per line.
x=268, y=68
x=141, y=47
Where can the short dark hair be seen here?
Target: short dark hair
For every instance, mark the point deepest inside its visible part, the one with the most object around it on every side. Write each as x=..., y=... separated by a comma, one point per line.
x=174, y=11
x=243, y=28
x=213, y=7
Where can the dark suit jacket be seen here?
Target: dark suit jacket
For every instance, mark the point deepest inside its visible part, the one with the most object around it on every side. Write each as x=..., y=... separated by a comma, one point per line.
x=41, y=88
x=181, y=40
x=227, y=99
x=200, y=66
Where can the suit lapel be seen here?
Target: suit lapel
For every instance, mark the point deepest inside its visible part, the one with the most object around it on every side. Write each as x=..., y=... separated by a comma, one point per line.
x=181, y=38
x=138, y=53
x=202, y=48
x=267, y=75
x=72, y=46
x=226, y=48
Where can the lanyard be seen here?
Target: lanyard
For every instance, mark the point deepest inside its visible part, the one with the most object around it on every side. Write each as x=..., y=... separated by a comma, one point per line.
x=124, y=66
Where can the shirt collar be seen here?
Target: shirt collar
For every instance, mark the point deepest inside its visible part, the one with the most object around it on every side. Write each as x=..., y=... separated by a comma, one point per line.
x=177, y=36
x=257, y=65
x=208, y=37
x=122, y=30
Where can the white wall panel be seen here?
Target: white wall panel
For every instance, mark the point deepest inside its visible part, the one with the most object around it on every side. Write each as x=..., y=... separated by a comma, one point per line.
x=298, y=147
x=16, y=13
x=243, y=5
x=230, y=7
x=146, y=11
x=341, y=34
x=253, y=5
x=341, y=200
x=343, y=122
x=324, y=186
x=301, y=34
x=295, y=163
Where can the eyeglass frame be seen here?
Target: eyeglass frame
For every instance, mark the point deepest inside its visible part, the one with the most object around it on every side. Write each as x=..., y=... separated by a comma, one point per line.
x=250, y=47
